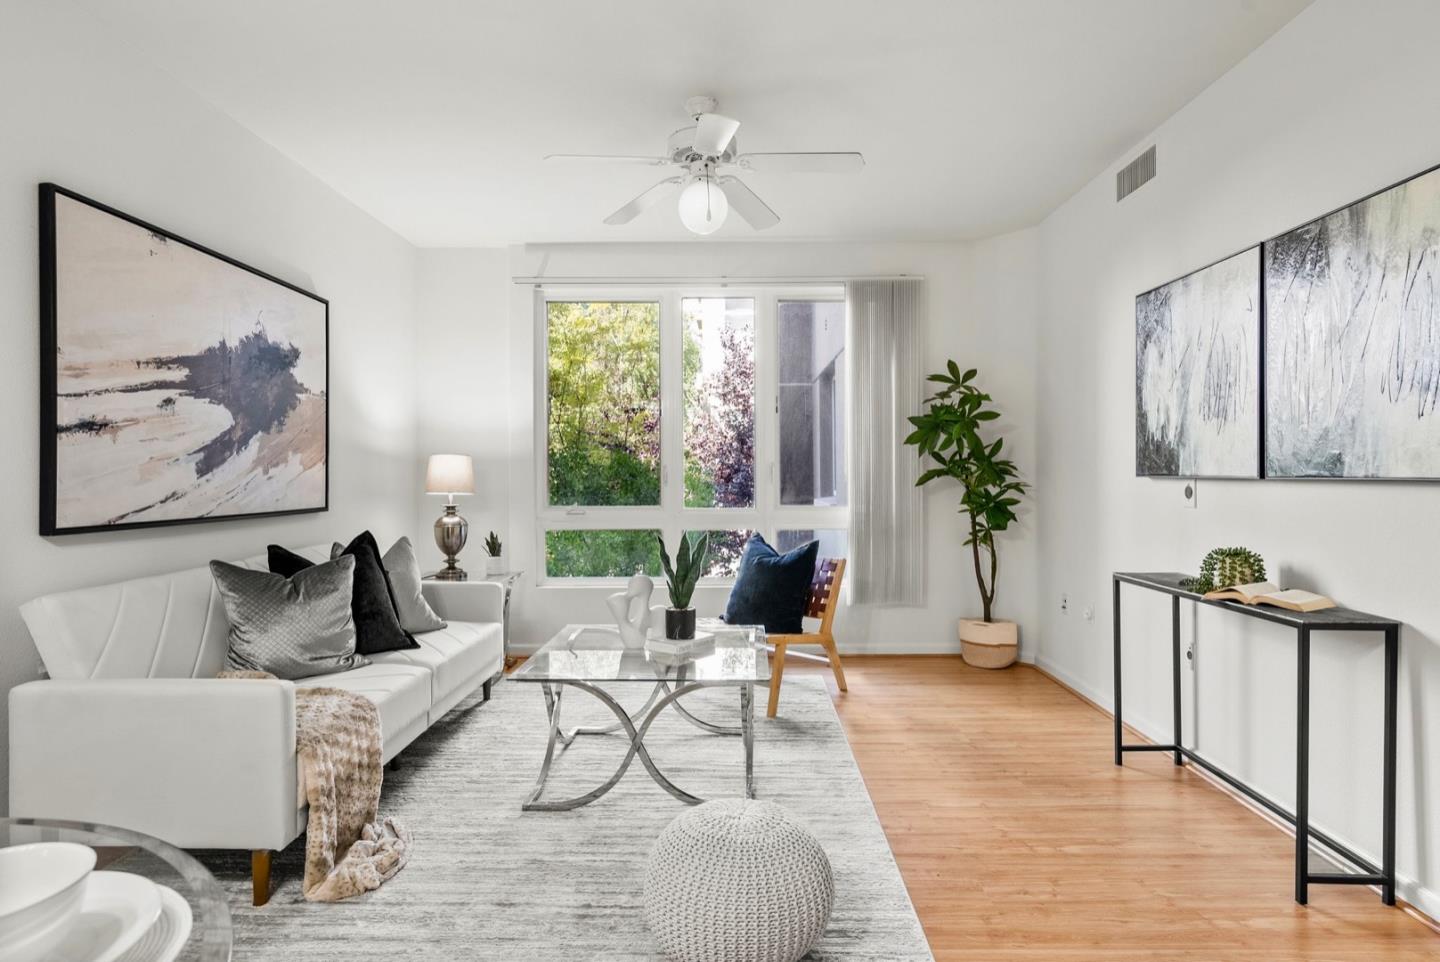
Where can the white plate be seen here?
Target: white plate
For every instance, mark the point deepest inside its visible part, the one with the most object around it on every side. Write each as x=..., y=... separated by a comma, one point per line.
x=167, y=936
x=118, y=909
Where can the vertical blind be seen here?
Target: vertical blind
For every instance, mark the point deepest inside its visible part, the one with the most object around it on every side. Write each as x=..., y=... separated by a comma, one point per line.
x=886, y=330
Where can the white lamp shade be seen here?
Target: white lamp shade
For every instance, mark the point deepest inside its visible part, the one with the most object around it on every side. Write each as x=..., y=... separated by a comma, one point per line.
x=450, y=474
x=703, y=206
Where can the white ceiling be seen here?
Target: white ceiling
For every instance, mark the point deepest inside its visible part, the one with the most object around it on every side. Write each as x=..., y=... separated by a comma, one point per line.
x=975, y=116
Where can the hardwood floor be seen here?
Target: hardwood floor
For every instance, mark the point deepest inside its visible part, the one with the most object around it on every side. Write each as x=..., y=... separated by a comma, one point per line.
x=1018, y=838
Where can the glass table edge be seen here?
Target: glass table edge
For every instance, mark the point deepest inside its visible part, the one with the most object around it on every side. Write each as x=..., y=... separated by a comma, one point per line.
x=217, y=939
x=569, y=631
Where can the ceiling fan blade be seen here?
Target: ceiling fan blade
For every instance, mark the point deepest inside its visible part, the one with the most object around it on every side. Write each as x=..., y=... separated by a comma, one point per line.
x=643, y=202
x=608, y=159
x=713, y=134
x=807, y=163
x=749, y=206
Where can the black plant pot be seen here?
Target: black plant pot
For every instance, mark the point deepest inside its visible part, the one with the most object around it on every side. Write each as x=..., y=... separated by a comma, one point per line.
x=679, y=623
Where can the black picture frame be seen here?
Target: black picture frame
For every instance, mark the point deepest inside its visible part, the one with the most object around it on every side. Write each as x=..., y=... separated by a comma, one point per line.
x=50, y=359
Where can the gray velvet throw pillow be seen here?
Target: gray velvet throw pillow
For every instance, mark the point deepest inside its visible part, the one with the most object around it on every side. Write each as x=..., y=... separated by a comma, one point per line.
x=291, y=627
x=403, y=568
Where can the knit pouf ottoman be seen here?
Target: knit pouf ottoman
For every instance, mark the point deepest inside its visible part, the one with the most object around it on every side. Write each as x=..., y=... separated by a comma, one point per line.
x=737, y=881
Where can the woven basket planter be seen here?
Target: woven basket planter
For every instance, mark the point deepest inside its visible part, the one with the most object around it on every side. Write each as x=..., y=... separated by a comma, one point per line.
x=737, y=881
x=989, y=644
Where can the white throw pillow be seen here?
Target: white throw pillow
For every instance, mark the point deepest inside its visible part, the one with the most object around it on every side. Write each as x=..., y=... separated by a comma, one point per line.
x=415, y=612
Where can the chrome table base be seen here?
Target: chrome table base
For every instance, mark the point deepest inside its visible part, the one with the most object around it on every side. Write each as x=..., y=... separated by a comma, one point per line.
x=635, y=726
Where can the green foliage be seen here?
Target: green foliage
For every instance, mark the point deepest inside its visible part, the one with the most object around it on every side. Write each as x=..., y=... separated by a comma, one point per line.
x=492, y=545
x=1226, y=568
x=601, y=554
x=948, y=433
x=604, y=403
x=682, y=576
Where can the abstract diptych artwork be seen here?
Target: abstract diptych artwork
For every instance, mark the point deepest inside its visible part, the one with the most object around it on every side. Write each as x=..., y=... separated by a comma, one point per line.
x=1197, y=373
x=177, y=385
x=1353, y=340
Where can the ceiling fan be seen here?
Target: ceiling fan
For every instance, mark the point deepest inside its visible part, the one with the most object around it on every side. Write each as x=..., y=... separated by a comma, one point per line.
x=705, y=152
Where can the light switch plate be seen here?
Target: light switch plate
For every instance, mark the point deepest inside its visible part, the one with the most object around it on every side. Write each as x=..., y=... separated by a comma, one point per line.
x=1190, y=492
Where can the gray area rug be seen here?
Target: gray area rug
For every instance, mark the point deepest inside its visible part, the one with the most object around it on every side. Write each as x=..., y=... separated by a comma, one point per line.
x=487, y=881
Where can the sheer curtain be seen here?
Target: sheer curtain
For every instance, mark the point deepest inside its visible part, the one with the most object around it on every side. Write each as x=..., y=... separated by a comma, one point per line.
x=886, y=327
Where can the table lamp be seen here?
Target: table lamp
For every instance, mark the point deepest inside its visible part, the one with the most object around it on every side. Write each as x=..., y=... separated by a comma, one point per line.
x=450, y=474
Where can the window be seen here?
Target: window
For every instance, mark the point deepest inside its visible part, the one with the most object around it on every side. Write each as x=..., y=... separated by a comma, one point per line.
x=718, y=368
x=662, y=411
x=601, y=553
x=812, y=420
x=603, y=393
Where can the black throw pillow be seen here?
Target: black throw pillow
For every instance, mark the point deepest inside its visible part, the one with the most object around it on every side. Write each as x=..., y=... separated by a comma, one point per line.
x=286, y=562
x=772, y=589
x=372, y=604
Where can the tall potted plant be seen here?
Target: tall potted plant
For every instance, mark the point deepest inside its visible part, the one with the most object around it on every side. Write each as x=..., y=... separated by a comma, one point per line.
x=947, y=433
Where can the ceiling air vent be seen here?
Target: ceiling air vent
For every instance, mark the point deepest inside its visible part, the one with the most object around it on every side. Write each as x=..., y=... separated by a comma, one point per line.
x=1135, y=175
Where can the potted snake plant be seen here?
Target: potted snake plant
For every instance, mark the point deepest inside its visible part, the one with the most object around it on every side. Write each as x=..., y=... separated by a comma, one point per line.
x=495, y=555
x=947, y=433
x=681, y=578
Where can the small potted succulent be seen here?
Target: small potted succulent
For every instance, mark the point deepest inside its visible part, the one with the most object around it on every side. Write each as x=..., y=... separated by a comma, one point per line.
x=495, y=562
x=680, y=579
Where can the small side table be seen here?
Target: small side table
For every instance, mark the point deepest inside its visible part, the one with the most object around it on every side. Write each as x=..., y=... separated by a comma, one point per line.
x=506, y=580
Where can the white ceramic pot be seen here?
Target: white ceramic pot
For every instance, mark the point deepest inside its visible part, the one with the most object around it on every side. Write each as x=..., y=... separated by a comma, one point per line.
x=41, y=888
x=494, y=566
x=988, y=644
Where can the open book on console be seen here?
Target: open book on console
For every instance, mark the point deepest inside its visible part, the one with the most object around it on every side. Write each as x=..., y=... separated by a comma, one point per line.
x=1267, y=593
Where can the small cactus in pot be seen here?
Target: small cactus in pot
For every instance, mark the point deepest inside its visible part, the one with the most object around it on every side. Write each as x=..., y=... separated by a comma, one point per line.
x=1225, y=568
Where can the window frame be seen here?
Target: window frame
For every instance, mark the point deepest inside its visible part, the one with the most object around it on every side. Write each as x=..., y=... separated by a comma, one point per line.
x=671, y=517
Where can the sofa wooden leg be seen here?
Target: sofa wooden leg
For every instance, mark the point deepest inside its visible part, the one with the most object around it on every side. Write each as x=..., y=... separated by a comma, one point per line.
x=485, y=689
x=260, y=876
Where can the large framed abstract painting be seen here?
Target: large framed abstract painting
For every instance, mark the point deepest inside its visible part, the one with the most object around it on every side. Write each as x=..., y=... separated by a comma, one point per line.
x=177, y=385
x=1352, y=343
x=1197, y=373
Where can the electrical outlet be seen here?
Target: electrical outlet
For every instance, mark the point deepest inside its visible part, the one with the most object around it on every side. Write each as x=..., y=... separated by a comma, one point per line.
x=1190, y=492
x=1190, y=655
x=1064, y=604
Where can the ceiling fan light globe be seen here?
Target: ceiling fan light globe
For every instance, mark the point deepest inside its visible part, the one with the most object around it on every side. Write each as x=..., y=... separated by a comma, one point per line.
x=703, y=206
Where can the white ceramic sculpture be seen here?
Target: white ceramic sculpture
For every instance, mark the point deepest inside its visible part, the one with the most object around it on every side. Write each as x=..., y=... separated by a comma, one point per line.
x=631, y=610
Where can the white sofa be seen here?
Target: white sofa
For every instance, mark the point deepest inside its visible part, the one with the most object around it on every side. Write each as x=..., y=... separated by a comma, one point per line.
x=132, y=728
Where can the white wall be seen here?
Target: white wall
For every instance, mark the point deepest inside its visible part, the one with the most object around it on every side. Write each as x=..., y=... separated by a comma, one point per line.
x=1338, y=103
x=84, y=112
x=983, y=304
x=463, y=385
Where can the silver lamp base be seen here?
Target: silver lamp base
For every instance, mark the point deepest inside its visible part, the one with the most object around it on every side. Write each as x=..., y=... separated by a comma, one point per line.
x=451, y=532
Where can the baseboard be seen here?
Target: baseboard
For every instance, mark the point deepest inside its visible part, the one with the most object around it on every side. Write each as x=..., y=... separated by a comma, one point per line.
x=1416, y=899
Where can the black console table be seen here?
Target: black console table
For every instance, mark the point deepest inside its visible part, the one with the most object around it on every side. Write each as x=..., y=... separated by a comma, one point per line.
x=1304, y=623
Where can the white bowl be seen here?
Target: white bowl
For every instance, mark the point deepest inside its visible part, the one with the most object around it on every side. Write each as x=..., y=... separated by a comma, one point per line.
x=41, y=887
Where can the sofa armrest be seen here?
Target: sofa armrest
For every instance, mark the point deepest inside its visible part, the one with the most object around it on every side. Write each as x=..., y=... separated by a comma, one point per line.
x=197, y=762
x=466, y=600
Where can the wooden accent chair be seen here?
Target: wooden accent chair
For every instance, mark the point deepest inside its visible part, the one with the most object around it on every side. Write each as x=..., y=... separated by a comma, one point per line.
x=824, y=597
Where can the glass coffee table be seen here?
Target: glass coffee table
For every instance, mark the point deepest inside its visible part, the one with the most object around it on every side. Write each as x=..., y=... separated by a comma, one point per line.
x=585, y=657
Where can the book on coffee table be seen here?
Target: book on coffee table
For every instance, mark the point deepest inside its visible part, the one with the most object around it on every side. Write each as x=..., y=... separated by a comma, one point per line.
x=1267, y=593
x=703, y=642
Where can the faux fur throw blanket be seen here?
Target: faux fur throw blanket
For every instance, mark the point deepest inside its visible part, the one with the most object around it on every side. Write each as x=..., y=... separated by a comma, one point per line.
x=348, y=848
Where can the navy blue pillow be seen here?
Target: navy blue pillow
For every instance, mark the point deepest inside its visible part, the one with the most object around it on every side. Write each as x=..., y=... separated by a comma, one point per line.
x=772, y=588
